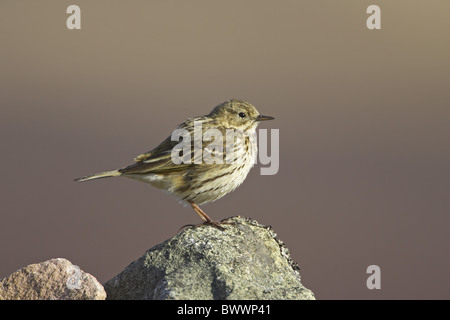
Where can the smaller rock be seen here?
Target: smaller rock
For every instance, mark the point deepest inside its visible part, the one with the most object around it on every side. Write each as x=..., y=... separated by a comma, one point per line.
x=55, y=279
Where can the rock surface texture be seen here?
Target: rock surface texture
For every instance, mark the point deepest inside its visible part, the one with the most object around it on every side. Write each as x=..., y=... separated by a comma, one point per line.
x=55, y=279
x=246, y=261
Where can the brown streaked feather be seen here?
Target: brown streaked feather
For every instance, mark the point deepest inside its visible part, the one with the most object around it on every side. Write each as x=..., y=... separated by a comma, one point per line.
x=159, y=159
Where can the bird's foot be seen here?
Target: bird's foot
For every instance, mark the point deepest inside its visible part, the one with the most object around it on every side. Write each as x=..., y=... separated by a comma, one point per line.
x=211, y=223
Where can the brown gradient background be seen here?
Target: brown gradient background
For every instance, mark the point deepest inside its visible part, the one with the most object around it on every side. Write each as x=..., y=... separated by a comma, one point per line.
x=364, y=120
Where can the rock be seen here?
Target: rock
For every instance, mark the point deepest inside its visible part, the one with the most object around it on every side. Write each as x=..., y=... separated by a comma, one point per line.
x=246, y=261
x=55, y=279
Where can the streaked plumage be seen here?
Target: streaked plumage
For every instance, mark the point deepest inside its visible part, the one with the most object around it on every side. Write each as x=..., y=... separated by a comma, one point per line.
x=200, y=183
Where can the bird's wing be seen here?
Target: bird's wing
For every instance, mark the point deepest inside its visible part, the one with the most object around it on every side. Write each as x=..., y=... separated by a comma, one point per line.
x=159, y=160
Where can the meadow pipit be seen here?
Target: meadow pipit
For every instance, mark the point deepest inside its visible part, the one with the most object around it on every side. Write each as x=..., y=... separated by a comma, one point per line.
x=208, y=168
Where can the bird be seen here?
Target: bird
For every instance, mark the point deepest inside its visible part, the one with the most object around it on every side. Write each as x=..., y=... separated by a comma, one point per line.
x=200, y=169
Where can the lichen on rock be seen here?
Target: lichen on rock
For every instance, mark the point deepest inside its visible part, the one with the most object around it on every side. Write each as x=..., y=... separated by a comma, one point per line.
x=245, y=261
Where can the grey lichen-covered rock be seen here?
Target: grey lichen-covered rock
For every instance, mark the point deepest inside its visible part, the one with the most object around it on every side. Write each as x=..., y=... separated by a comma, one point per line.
x=246, y=261
x=55, y=279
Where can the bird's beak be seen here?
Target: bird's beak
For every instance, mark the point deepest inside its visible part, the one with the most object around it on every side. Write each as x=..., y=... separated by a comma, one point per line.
x=264, y=118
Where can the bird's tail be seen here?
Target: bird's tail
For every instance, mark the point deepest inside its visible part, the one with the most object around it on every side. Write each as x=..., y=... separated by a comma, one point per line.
x=107, y=174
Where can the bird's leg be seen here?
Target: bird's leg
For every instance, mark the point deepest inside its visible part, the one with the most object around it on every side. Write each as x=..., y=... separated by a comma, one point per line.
x=200, y=212
x=206, y=219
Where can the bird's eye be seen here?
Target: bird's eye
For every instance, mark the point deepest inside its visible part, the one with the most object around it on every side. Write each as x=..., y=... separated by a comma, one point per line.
x=242, y=114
